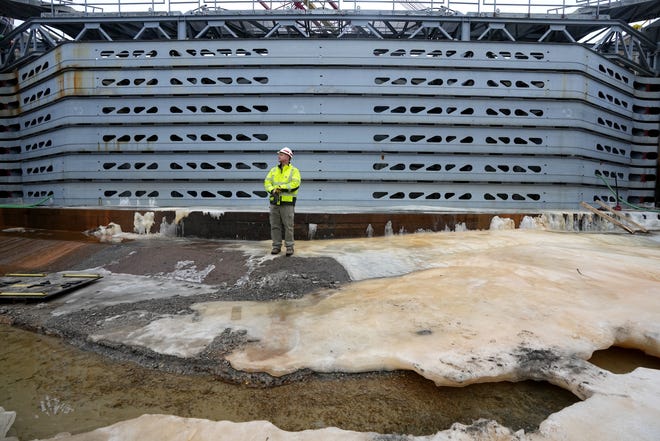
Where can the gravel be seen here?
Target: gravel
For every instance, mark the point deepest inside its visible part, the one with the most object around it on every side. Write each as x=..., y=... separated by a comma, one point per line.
x=228, y=271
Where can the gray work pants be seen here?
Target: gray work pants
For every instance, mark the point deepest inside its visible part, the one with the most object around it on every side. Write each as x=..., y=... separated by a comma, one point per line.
x=281, y=218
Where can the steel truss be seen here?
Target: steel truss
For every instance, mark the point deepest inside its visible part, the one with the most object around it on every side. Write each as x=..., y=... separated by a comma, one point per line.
x=617, y=41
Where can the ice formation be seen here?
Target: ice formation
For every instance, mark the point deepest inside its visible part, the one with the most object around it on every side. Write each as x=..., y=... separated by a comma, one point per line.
x=142, y=223
x=458, y=308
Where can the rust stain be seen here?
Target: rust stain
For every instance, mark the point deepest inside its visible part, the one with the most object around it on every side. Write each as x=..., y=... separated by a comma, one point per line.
x=58, y=55
x=25, y=254
x=61, y=87
x=78, y=82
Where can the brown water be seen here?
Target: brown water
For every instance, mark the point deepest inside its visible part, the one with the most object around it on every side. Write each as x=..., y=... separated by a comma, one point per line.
x=55, y=388
x=623, y=360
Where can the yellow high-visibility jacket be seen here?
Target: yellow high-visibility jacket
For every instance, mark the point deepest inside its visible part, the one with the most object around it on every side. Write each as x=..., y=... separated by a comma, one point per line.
x=287, y=179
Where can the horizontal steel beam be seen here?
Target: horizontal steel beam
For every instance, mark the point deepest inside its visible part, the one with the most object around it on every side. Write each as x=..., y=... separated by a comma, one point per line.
x=326, y=139
x=328, y=194
x=438, y=111
x=367, y=167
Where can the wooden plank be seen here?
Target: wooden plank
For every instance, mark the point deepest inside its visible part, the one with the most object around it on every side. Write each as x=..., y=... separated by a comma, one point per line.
x=622, y=217
x=25, y=275
x=609, y=218
x=23, y=294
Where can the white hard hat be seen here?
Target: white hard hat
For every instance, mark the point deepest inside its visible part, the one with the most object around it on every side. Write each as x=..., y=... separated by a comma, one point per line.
x=286, y=151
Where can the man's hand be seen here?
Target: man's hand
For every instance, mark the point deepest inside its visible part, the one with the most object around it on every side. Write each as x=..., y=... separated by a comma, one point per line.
x=275, y=190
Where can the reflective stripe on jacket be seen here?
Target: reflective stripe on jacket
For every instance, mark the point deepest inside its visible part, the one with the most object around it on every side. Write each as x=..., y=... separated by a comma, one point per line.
x=287, y=179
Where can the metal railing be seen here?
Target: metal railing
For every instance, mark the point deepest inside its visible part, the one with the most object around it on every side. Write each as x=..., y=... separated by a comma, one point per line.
x=606, y=36
x=528, y=7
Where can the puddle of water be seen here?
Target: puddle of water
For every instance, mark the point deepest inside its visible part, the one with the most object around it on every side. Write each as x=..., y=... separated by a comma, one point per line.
x=623, y=360
x=55, y=388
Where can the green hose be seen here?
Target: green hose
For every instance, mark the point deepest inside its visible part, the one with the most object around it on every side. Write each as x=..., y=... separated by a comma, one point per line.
x=43, y=201
x=627, y=203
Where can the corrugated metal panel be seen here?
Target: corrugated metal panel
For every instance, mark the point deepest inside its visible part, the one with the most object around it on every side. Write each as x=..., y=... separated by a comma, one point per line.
x=373, y=123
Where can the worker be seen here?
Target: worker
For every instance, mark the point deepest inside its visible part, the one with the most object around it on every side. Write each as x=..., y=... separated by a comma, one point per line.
x=282, y=183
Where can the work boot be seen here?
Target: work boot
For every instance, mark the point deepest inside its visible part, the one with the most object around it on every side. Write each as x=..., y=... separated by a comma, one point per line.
x=275, y=250
x=289, y=251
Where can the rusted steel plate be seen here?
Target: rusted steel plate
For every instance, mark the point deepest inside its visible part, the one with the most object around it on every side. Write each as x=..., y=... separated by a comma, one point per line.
x=249, y=225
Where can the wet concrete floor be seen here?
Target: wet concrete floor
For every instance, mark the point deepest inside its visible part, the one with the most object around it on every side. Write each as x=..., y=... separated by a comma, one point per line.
x=55, y=388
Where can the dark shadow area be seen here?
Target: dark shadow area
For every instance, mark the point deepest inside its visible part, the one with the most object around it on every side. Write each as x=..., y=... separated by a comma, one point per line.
x=623, y=360
x=55, y=388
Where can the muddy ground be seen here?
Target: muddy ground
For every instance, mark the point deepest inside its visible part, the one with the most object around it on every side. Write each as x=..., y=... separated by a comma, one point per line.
x=278, y=278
